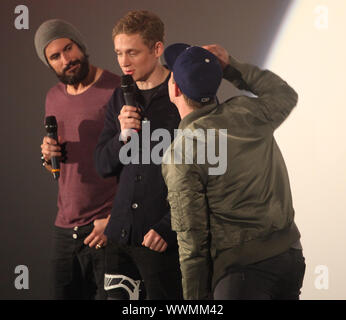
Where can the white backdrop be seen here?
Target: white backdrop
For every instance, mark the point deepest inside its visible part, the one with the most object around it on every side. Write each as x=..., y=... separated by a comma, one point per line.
x=310, y=54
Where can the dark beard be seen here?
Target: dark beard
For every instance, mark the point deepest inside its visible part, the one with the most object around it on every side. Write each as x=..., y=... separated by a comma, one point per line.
x=77, y=77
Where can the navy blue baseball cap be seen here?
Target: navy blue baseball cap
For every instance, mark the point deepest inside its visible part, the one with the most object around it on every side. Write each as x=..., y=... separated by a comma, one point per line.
x=197, y=71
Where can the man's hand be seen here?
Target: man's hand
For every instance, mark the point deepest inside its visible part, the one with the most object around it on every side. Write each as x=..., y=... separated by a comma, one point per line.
x=220, y=52
x=50, y=148
x=96, y=238
x=129, y=118
x=154, y=241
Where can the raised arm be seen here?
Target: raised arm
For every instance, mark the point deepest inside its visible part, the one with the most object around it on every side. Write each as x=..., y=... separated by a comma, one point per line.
x=274, y=96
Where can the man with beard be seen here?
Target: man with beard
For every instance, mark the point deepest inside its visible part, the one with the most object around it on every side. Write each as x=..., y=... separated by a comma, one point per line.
x=78, y=102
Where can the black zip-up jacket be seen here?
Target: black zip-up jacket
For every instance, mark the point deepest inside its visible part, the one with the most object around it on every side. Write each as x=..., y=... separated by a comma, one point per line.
x=141, y=202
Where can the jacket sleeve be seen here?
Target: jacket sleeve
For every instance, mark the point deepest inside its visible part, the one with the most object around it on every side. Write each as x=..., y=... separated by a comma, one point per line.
x=275, y=98
x=190, y=219
x=107, y=150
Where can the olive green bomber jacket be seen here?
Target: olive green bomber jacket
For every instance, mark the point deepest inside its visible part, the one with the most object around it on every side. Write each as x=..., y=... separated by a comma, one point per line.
x=244, y=213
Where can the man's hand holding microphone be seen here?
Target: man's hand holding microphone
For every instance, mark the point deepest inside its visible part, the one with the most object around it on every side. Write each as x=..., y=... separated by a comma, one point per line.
x=50, y=149
x=130, y=115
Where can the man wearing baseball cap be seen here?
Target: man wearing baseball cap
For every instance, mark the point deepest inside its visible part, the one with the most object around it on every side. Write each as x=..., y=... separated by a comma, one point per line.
x=236, y=231
x=78, y=102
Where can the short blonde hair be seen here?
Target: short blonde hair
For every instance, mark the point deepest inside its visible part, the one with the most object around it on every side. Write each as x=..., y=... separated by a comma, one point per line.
x=146, y=23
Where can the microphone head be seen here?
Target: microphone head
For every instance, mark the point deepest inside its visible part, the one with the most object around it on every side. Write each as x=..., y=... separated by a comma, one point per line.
x=51, y=124
x=127, y=83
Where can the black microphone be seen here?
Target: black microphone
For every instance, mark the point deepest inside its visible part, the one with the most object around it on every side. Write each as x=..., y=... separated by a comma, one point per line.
x=128, y=87
x=52, y=132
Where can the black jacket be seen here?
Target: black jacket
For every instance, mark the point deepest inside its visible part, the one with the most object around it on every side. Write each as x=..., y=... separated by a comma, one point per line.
x=140, y=203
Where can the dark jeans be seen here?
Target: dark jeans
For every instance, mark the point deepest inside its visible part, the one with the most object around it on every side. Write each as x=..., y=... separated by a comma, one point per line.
x=276, y=278
x=77, y=269
x=160, y=272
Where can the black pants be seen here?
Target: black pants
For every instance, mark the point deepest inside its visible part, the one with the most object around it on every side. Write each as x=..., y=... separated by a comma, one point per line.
x=159, y=272
x=276, y=278
x=77, y=269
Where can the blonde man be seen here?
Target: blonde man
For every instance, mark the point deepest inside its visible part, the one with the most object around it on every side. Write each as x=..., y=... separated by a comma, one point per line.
x=142, y=245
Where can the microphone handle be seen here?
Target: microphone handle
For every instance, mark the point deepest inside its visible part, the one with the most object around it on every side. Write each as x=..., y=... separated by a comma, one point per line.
x=130, y=99
x=54, y=160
